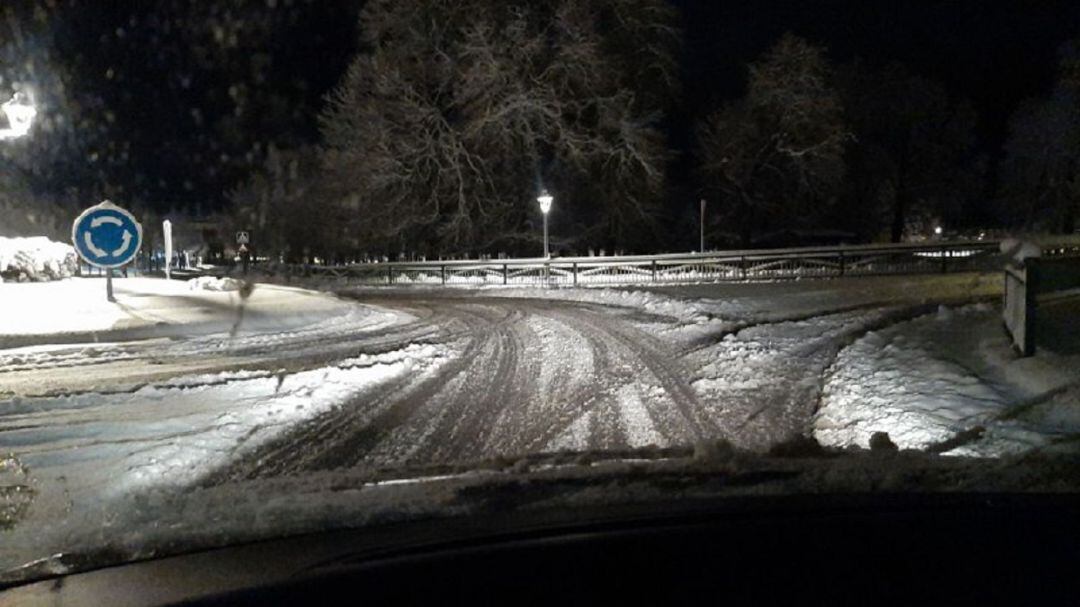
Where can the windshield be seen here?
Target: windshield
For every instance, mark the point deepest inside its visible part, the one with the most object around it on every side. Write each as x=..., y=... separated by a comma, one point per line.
x=276, y=266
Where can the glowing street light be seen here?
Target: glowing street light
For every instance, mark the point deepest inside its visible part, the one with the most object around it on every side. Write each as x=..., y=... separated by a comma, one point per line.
x=545, y=201
x=20, y=113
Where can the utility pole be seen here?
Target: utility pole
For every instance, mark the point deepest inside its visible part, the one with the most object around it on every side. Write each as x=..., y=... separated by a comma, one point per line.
x=701, y=246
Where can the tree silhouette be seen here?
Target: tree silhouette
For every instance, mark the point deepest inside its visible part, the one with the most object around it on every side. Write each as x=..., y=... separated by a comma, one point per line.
x=455, y=114
x=775, y=157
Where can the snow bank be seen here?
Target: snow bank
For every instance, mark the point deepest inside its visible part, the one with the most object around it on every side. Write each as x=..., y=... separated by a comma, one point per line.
x=946, y=375
x=36, y=259
x=684, y=311
x=153, y=307
x=213, y=283
x=1019, y=250
x=757, y=302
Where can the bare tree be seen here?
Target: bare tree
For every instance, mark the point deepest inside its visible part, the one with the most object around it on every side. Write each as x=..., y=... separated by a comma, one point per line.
x=913, y=155
x=777, y=154
x=457, y=112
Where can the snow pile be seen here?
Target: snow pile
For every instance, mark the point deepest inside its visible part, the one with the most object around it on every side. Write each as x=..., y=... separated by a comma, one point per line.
x=682, y=310
x=760, y=383
x=36, y=259
x=885, y=384
x=949, y=382
x=1020, y=250
x=214, y=283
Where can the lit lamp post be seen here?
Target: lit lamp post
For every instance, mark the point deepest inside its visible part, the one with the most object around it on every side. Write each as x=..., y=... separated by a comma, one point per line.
x=20, y=112
x=545, y=200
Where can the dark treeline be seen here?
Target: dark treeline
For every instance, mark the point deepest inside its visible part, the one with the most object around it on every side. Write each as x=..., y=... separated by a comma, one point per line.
x=444, y=130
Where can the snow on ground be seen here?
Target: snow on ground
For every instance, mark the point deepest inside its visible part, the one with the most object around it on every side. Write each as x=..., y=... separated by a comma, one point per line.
x=907, y=355
x=35, y=259
x=685, y=311
x=755, y=300
x=96, y=435
x=911, y=356
x=87, y=451
x=152, y=307
x=793, y=299
x=930, y=379
x=214, y=283
x=694, y=311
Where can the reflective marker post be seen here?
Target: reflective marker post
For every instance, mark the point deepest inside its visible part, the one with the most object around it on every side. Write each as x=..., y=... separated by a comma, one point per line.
x=166, y=228
x=243, y=238
x=106, y=236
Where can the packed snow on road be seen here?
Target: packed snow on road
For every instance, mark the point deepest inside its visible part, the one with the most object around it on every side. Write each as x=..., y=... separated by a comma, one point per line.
x=181, y=387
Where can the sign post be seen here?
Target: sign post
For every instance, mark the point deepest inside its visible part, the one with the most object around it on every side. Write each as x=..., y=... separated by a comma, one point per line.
x=243, y=238
x=166, y=227
x=106, y=236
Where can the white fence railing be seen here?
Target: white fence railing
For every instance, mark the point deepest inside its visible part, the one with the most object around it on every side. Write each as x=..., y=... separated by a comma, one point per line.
x=717, y=266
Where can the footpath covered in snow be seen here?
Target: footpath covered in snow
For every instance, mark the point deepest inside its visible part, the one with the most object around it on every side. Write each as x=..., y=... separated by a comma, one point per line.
x=76, y=309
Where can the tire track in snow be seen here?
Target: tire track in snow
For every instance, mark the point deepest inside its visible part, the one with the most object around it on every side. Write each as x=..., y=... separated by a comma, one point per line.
x=128, y=366
x=489, y=402
x=763, y=383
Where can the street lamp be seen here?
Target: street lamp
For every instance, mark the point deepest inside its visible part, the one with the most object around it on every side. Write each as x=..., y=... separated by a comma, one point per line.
x=545, y=201
x=20, y=113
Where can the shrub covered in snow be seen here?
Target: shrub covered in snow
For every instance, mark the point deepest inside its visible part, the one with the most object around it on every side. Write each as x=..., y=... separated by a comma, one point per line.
x=36, y=259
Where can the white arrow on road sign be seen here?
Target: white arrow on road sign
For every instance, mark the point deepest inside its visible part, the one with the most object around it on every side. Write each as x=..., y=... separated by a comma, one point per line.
x=98, y=221
x=123, y=247
x=93, y=248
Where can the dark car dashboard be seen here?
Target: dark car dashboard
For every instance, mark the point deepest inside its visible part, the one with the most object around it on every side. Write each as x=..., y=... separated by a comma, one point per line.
x=915, y=548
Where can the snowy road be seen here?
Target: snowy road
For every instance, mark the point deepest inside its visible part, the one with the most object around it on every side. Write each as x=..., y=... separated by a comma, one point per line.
x=544, y=375
x=530, y=376
x=409, y=380
x=415, y=379
x=465, y=377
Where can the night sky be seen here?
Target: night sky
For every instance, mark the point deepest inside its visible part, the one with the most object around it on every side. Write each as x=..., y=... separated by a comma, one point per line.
x=177, y=101
x=170, y=104
x=992, y=53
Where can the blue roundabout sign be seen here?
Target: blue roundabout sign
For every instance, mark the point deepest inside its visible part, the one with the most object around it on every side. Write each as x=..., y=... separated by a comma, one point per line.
x=106, y=235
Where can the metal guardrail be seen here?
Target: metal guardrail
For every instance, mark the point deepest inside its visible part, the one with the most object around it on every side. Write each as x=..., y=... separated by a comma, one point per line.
x=717, y=266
